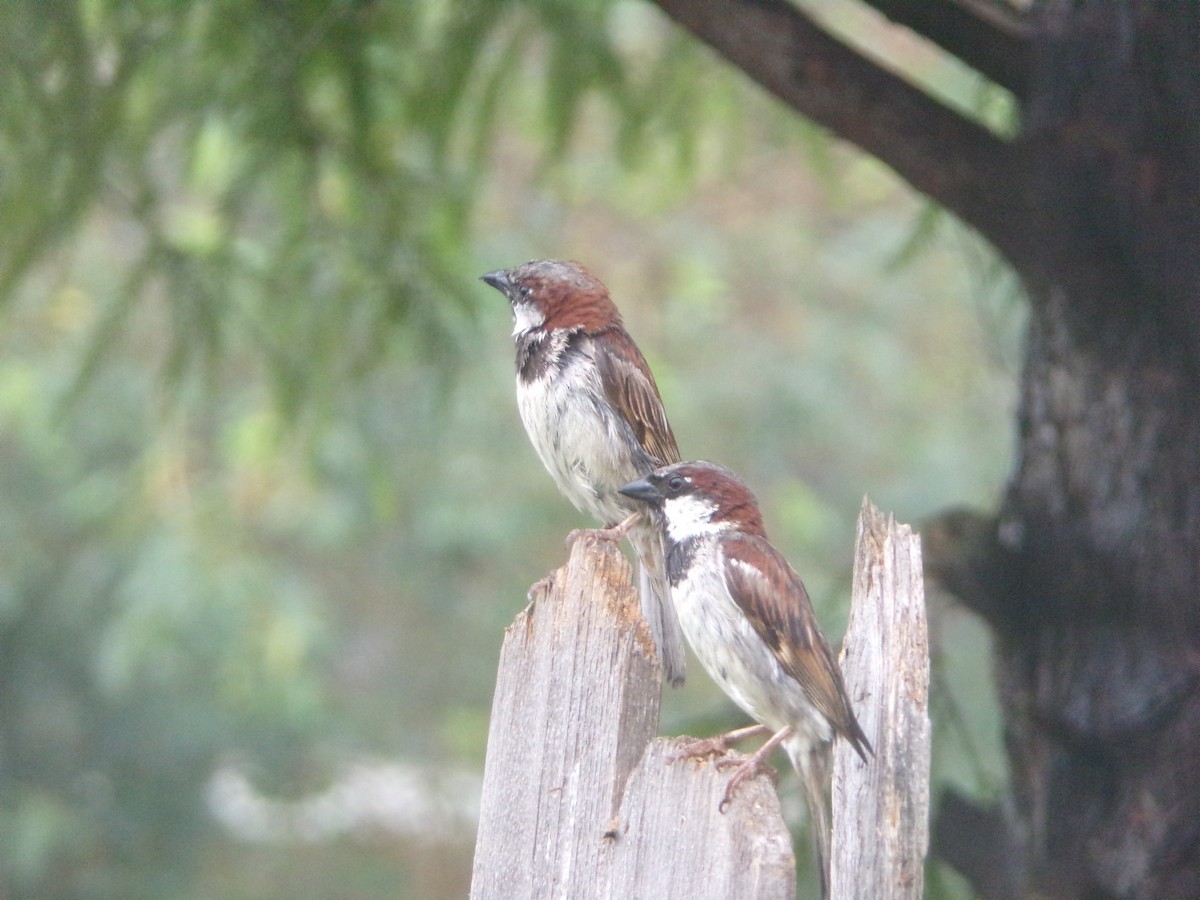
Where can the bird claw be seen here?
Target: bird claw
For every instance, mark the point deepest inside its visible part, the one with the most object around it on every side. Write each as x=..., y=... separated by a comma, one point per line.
x=607, y=533
x=718, y=745
x=698, y=748
x=591, y=536
x=748, y=768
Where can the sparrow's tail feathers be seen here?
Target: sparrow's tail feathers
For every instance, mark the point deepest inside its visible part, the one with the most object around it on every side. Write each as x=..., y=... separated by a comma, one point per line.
x=657, y=606
x=811, y=762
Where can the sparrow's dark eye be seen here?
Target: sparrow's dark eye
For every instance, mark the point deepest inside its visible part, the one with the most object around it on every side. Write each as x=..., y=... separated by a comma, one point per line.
x=676, y=482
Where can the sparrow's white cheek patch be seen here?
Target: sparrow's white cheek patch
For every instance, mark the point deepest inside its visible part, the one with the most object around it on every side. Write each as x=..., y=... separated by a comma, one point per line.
x=526, y=316
x=689, y=516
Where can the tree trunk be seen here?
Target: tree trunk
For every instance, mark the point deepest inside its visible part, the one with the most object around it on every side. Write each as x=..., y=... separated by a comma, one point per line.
x=1096, y=644
x=1090, y=573
x=1098, y=654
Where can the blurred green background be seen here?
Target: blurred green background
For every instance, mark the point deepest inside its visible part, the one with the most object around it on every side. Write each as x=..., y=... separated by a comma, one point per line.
x=266, y=505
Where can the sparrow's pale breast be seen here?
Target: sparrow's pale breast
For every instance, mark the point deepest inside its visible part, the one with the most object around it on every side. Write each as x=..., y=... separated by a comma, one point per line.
x=733, y=653
x=576, y=434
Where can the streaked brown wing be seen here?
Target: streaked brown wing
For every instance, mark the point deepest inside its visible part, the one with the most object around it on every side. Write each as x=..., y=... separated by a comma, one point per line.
x=773, y=598
x=630, y=388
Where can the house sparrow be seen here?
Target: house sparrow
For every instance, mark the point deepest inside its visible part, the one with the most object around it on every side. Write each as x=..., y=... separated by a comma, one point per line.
x=748, y=618
x=594, y=415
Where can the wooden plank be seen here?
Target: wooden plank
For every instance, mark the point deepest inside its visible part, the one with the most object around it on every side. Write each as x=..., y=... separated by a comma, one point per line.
x=575, y=709
x=576, y=703
x=670, y=841
x=881, y=810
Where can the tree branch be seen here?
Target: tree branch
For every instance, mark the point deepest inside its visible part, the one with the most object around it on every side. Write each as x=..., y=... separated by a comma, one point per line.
x=959, y=164
x=988, y=37
x=963, y=554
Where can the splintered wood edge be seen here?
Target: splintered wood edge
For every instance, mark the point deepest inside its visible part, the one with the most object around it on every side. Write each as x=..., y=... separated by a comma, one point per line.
x=881, y=809
x=601, y=561
x=664, y=827
x=598, y=569
x=575, y=705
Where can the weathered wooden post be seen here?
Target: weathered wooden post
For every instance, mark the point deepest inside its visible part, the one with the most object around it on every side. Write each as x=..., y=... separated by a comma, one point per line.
x=881, y=810
x=579, y=800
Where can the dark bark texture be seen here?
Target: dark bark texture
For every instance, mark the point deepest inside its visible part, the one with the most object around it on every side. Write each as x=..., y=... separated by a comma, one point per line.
x=1089, y=573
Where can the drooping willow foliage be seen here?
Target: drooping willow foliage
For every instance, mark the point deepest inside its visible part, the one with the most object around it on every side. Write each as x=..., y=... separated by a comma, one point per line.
x=302, y=175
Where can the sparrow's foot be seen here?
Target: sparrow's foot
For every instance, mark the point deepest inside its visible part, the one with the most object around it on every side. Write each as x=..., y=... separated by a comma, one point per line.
x=607, y=533
x=698, y=748
x=752, y=766
x=589, y=536
x=748, y=768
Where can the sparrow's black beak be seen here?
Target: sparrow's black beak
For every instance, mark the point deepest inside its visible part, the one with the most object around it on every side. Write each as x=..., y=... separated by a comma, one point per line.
x=641, y=489
x=498, y=280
